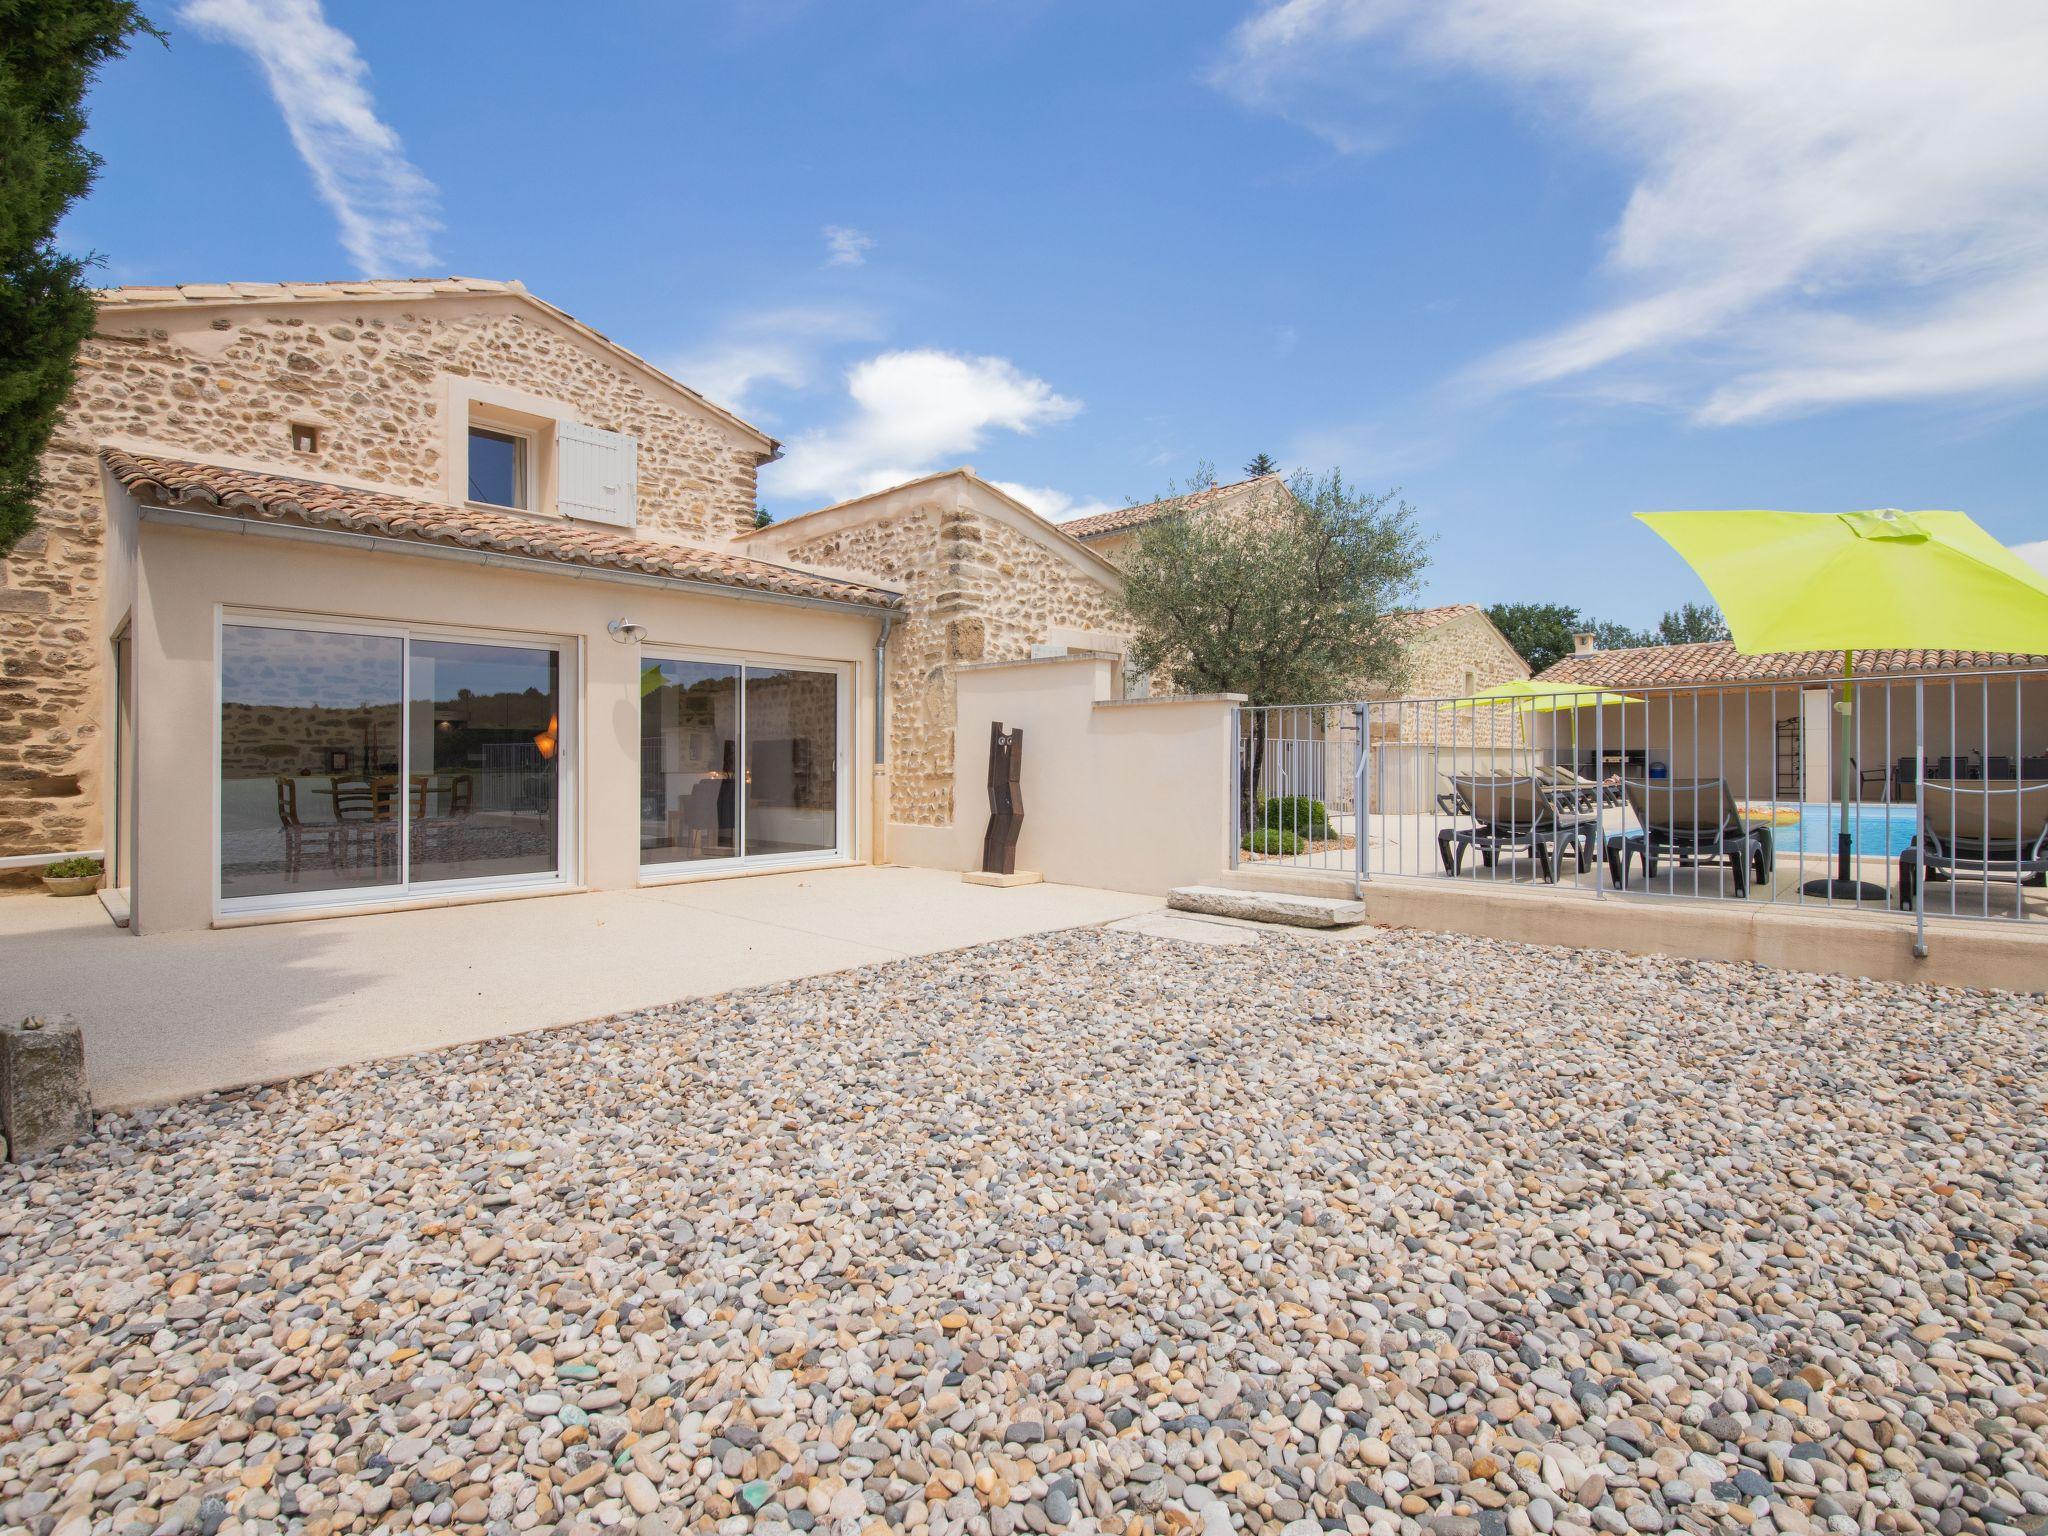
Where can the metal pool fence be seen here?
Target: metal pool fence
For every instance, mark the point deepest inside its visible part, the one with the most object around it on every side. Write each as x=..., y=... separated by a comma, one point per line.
x=1902, y=794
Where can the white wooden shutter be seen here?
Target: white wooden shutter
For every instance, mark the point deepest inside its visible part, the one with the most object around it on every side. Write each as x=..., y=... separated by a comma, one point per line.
x=597, y=474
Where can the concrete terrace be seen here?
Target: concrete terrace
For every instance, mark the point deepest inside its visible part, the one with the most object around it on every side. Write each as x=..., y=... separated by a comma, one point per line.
x=176, y=1014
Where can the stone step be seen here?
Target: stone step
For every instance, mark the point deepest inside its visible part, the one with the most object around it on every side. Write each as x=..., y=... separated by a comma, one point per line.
x=1268, y=906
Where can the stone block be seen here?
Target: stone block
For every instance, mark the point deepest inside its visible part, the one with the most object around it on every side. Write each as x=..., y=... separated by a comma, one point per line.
x=1268, y=907
x=1001, y=881
x=43, y=1100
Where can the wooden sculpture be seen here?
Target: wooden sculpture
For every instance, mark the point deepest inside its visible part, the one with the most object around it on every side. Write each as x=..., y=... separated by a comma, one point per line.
x=1005, y=800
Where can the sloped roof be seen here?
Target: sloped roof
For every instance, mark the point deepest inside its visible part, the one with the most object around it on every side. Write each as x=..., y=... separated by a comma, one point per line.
x=262, y=497
x=1416, y=621
x=1714, y=662
x=1053, y=535
x=1094, y=527
x=158, y=295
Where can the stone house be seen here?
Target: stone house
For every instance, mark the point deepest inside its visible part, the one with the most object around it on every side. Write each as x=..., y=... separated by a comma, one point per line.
x=360, y=595
x=352, y=596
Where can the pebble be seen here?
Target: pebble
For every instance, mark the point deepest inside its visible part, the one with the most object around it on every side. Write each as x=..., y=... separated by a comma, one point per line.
x=1092, y=1232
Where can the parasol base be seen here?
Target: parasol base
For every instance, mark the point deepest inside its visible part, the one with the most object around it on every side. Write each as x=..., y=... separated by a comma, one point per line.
x=1844, y=890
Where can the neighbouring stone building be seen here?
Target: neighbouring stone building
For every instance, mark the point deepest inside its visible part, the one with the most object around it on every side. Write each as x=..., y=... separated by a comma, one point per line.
x=1450, y=650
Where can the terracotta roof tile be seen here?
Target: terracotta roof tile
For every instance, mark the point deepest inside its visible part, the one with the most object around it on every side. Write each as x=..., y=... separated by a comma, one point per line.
x=1085, y=528
x=263, y=497
x=1717, y=661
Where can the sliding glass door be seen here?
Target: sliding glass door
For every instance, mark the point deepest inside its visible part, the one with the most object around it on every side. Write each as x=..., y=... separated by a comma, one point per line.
x=739, y=762
x=363, y=764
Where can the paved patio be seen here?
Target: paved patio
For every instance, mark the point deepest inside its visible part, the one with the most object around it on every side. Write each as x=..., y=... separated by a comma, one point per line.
x=177, y=1014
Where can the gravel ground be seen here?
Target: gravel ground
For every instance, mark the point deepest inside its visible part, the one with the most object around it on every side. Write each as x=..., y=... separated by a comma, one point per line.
x=1086, y=1233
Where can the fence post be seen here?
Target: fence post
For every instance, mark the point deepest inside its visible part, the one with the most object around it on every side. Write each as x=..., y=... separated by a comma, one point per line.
x=1236, y=781
x=1599, y=791
x=1361, y=805
x=1920, y=808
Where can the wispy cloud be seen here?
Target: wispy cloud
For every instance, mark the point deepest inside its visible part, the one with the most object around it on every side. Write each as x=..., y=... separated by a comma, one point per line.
x=385, y=207
x=1833, y=202
x=846, y=247
x=2035, y=554
x=784, y=347
x=912, y=412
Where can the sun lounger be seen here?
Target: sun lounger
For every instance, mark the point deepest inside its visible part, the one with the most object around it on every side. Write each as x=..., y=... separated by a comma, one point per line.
x=1691, y=822
x=1511, y=813
x=1986, y=830
x=1587, y=794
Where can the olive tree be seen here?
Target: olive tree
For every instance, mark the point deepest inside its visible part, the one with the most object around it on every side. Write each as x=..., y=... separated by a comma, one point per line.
x=1282, y=595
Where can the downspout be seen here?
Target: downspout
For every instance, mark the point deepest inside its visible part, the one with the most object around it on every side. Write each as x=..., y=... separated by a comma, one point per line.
x=881, y=688
x=878, y=781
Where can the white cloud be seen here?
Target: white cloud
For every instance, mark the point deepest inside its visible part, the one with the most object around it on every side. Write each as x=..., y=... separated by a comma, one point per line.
x=784, y=347
x=2035, y=554
x=846, y=247
x=1833, y=201
x=385, y=207
x=913, y=412
x=1054, y=506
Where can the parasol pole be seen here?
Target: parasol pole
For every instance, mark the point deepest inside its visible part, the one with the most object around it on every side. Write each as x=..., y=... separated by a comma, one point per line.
x=1844, y=886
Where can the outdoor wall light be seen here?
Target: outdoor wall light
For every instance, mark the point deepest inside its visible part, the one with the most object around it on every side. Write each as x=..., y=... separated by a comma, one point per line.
x=626, y=632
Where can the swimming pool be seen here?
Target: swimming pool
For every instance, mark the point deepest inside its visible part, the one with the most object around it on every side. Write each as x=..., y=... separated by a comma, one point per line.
x=1874, y=830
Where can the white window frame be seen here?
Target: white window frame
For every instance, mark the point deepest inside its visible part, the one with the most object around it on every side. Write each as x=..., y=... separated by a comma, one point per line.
x=568, y=755
x=677, y=871
x=524, y=470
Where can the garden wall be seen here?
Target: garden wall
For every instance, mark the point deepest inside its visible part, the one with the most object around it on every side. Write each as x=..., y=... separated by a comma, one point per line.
x=1121, y=794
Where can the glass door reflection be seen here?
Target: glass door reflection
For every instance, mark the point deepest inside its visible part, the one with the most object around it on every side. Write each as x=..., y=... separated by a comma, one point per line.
x=689, y=757
x=484, y=790
x=311, y=751
x=792, y=735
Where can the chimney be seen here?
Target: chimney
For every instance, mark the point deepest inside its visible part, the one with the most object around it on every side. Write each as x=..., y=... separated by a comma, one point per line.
x=1584, y=643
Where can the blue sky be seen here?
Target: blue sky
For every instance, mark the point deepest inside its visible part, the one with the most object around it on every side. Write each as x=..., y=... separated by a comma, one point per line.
x=1540, y=267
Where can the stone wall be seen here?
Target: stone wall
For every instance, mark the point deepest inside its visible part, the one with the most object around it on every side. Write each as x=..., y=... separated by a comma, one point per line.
x=1451, y=660
x=977, y=590
x=228, y=381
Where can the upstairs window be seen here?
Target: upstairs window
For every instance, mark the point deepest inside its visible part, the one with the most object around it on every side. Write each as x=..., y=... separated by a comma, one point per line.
x=499, y=468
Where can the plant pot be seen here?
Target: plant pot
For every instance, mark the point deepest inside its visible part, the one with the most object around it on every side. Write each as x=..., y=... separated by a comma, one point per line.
x=71, y=885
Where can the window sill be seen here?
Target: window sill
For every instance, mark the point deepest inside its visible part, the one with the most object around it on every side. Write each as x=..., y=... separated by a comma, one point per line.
x=402, y=904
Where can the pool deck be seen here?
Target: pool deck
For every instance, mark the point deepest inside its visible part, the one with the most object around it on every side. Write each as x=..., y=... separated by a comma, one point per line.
x=1407, y=846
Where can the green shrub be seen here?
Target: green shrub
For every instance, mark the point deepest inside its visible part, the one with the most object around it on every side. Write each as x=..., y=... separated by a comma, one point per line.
x=1297, y=814
x=1271, y=840
x=66, y=869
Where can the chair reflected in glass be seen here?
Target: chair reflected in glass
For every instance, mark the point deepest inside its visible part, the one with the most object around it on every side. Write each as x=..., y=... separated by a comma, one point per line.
x=441, y=807
x=366, y=813
x=324, y=837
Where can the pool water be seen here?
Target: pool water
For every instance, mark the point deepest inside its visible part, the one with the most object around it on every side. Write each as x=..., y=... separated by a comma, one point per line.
x=1874, y=830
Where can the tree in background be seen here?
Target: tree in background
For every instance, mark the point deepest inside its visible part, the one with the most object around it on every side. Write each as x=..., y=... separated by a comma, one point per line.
x=763, y=517
x=1282, y=597
x=49, y=53
x=1690, y=624
x=1261, y=464
x=1541, y=633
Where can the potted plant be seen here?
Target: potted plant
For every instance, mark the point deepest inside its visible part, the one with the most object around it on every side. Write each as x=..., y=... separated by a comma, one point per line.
x=72, y=877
